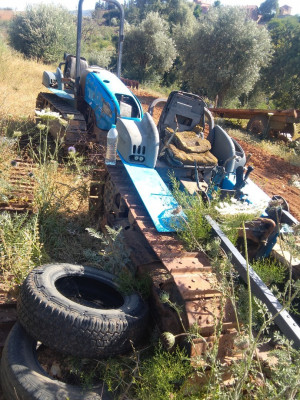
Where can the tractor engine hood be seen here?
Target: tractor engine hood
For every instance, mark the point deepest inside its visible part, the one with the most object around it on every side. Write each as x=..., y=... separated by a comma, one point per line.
x=138, y=141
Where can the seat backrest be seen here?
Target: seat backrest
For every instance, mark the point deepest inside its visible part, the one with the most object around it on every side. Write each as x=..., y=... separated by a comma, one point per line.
x=222, y=147
x=186, y=108
x=70, y=66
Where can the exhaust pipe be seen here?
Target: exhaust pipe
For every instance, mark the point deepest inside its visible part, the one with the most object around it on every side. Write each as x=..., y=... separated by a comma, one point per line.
x=78, y=42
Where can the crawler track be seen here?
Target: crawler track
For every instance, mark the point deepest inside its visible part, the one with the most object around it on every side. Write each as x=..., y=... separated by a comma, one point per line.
x=20, y=200
x=76, y=130
x=186, y=276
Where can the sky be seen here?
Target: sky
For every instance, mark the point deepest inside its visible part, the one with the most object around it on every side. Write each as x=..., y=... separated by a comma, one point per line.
x=90, y=4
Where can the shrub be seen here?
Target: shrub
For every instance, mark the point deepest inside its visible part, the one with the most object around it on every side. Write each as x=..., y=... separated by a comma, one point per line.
x=148, y=49
x=43, y=32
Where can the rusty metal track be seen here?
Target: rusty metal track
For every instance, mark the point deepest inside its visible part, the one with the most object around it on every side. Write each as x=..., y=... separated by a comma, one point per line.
x=187, y=277
x=76, y=129
x=19, y=199
x=21, y=187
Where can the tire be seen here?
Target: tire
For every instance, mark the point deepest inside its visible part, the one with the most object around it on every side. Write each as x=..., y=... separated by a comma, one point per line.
x=80, y=311
x=23, y=378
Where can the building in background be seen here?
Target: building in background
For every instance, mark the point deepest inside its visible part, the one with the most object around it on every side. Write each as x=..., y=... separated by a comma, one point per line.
x=285, y=10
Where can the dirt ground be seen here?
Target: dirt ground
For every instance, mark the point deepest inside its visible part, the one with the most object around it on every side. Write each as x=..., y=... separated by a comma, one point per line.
x=273, y=174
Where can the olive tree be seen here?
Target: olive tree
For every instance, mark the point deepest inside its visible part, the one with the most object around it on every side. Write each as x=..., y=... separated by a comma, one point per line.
x=43, y=32
x=148, y=50
x=223, y=56
x=281, y=79
x=178, y=12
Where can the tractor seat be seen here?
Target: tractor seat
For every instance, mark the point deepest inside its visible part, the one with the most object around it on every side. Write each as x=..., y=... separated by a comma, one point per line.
x=187, y=147
x=70, y=66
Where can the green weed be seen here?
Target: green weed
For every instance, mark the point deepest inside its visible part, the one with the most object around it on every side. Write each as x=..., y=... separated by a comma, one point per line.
x=20, y=246
x=270, y=271
x=195, y=228
x=114, y=254
x=129, y=283
x=148, y=375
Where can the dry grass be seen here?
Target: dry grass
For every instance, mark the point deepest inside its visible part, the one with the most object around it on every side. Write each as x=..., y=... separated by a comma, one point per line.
x=20, y=81
x=61, y=191
x=278, y=149
x=7, y=154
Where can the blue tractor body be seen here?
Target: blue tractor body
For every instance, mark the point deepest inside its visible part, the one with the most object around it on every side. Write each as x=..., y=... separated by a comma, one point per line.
x=110, y=99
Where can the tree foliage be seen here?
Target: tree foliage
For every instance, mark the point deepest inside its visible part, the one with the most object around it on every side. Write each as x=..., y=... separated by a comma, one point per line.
x=281, y=79
x=178, y=12
x=224, y=55
x=148, y=50
x=173, y=11
x=43, y=32
x=268, y=9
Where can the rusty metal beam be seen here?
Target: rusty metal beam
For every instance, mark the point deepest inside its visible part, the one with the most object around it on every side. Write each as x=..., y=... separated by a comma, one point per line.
x=283, y=320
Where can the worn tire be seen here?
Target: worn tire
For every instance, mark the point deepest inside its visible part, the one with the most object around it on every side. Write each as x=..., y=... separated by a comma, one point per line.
x=23, y=378
x=80, y=311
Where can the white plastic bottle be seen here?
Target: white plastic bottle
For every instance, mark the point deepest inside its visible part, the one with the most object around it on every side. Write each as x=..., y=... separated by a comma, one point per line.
x=111, y=149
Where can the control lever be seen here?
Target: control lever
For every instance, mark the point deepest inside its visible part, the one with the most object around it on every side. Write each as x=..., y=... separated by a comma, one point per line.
x=240, y=180
x=248, y=172
x=248, y=158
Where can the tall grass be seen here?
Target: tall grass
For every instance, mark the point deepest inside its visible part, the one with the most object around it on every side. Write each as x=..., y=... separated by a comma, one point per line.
x=20, y=247
x=20, y=81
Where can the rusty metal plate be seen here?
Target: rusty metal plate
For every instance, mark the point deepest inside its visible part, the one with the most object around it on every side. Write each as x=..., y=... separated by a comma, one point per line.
x=22, y=183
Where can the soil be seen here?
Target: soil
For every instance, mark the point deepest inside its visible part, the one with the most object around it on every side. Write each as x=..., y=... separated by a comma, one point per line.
x=273, y=174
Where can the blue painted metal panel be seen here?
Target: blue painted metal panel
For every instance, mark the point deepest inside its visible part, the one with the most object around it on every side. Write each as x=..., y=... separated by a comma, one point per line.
x=100, y=93
x=101, y=102
x=164, y=210
x=64, y=95
x=253, y=193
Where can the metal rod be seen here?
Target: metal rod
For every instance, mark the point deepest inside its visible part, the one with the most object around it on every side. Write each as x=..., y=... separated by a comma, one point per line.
x=78, y=47
x=284, y=321
x=78, y=42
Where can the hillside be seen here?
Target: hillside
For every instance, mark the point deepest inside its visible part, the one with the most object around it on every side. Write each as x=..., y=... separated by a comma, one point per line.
x=21, y=81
